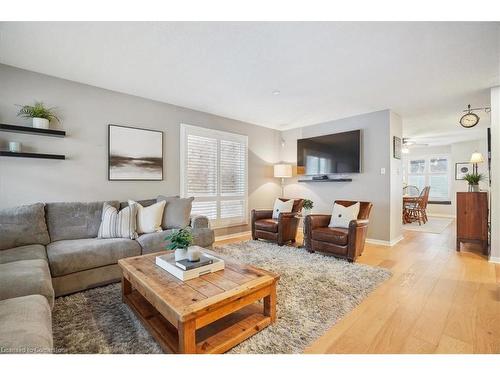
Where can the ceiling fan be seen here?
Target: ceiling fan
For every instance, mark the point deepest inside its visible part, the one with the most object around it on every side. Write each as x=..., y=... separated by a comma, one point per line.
x=408, y=142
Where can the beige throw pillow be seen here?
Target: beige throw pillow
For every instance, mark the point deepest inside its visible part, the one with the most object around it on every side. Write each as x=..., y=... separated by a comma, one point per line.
x=149, y=218
x=342, y=216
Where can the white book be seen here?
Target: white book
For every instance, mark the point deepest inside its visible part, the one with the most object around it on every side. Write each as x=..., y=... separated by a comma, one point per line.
x=167, y=262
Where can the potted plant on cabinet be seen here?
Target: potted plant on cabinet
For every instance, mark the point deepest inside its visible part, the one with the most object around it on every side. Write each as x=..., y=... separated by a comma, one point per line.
x=40, y=114
x=473, y=180
x=180, y=240
x=307, y=205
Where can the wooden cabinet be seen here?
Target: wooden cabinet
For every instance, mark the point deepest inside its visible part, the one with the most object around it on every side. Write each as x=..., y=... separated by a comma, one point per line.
x=472, y=219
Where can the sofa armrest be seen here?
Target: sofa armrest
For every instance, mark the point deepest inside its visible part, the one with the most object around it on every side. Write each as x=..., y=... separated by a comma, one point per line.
x=199, y=222
x=261, y=214
x=317, y=221
x=358, y=230
x=358, y=223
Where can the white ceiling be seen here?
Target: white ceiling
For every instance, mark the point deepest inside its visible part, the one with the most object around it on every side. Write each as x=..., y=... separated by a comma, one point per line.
x=426, y=72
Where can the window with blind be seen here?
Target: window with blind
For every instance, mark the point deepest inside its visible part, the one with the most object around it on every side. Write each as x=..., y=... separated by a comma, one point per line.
x=433, y=171
x=214, y=172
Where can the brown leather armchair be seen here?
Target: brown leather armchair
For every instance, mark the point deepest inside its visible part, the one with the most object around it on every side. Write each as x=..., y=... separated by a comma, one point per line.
x=279, y=230
x=340, y=242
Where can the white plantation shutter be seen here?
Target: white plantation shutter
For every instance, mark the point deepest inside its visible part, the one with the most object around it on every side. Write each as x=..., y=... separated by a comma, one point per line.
x=214, y=171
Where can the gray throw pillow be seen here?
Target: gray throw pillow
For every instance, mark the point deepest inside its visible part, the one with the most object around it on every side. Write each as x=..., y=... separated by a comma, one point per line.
x=23, y=225
x=177, y=211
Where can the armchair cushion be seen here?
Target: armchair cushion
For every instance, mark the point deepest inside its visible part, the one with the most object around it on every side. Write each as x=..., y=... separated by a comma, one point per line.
x=338, y=236
x=268, y=225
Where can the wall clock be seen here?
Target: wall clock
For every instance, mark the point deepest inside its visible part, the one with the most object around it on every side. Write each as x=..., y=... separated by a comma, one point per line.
x=469, y=120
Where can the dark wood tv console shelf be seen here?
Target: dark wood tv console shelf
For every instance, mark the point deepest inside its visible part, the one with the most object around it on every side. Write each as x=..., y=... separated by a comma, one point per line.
x=34, y=131
x=31, y=155
x=329, y=180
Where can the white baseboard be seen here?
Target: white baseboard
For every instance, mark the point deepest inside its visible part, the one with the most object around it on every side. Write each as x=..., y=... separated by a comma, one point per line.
x=233, y=235
x=494, y=260
x=384, y=243
x=448, y=216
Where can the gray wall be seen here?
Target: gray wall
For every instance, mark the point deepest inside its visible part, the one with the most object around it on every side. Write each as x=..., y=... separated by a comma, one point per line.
x=86, y=112
x=369, y=185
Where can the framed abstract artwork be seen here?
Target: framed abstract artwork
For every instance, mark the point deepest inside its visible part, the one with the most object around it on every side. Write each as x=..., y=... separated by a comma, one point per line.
x=396, y=147
x=461, y=169
x=134, y=154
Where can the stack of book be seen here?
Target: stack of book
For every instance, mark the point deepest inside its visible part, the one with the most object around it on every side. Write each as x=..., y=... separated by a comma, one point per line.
x=186, y=264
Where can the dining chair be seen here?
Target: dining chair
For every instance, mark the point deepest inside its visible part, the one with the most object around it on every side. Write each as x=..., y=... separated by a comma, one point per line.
x=417, y=210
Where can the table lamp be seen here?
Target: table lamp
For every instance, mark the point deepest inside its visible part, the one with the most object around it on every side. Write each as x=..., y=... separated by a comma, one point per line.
x=282, y=171
x=476, y=158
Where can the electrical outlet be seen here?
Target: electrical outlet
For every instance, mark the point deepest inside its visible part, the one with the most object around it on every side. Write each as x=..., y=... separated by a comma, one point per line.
x=382, y=170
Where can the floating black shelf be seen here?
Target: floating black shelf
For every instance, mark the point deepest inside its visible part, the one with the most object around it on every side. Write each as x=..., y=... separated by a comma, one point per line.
x=34, y=131
x=329, y=180
x=31, y=155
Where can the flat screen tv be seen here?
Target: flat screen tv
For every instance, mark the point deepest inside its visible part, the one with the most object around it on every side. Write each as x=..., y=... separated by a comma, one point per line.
x=329, y=154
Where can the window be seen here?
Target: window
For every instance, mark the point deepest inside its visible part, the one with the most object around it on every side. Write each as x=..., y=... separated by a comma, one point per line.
x=214, y=172
x=433, y=171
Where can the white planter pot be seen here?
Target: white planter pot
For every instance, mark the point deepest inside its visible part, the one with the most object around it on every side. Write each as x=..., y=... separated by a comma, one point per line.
x=40, y=123
x=474, y=188
x=306, y=212
x=181, y=254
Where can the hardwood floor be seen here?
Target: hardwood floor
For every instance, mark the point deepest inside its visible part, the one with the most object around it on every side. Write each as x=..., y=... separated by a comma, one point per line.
x=438, y=300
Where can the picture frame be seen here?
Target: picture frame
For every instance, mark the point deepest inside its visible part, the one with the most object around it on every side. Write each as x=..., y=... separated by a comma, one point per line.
x=134, y=154
x=461, y=169
x=396, y=147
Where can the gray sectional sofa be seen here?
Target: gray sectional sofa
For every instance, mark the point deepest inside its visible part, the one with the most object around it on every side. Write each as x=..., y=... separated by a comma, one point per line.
x=50, y=250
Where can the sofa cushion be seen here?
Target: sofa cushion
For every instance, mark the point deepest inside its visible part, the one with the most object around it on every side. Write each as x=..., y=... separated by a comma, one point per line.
x=177, y=212
x=70, y=256
x=27, y=252
x=26, y=277
x=268, y=225
x=74, y=220
x=337, y=236
x=23, y=225
x=25, y=325
x=153, y=242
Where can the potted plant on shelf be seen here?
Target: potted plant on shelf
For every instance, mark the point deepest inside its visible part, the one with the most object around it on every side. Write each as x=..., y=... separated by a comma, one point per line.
x=40, y=114
x=180, y=240
x=308, y=205
x=473, y=180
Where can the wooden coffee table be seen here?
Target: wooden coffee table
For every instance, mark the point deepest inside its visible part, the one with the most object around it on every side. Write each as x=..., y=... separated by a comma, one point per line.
x=209, y=314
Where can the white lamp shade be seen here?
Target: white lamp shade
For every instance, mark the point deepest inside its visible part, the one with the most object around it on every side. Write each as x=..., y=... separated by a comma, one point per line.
x=477, y=157
x=283, y=170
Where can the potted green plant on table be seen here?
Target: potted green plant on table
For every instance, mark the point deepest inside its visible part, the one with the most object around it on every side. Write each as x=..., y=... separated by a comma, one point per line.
x=473, y=180
x=307, y=206
x=180, y=240
x=40, y=114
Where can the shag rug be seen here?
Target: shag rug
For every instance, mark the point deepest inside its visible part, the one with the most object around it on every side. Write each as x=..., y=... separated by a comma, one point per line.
x=313, y=293
x=435, y=225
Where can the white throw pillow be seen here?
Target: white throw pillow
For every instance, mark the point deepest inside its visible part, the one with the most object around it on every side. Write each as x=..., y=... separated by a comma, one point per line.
x=116, y=224
x=280, y=206
x=342, y=216
x=149, y=218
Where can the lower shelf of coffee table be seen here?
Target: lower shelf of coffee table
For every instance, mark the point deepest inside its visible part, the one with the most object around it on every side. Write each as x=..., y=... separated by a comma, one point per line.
x=217, y=337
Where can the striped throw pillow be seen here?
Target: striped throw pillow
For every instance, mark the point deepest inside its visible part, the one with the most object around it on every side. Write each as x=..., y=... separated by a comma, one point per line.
x=116, y=224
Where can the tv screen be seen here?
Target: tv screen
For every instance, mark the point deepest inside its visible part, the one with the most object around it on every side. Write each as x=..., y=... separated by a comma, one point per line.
x=328, y=154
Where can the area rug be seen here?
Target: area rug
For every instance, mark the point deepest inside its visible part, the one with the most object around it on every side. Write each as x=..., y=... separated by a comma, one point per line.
x=434, y=225
x=314, y=292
